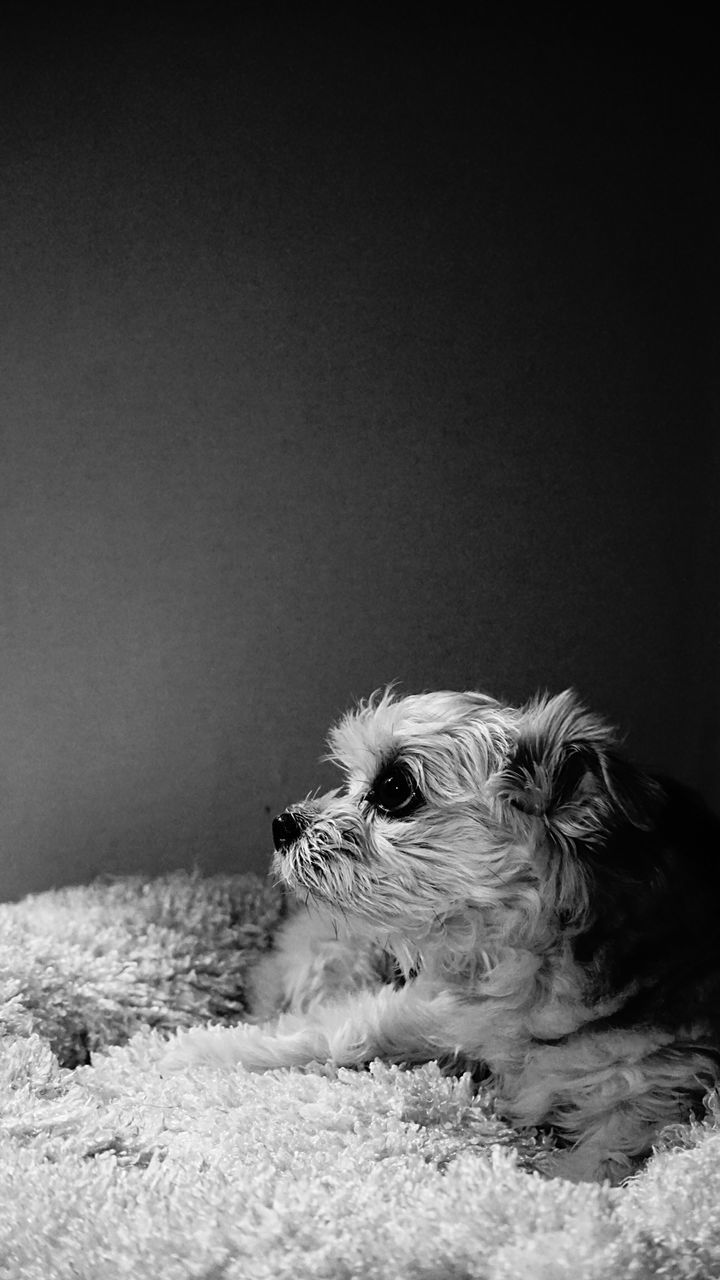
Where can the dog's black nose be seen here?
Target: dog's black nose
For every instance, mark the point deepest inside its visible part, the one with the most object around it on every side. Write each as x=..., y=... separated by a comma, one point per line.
x=287, y=828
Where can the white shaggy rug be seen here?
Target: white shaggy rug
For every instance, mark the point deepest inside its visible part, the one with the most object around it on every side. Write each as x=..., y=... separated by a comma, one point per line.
x=109, y=1170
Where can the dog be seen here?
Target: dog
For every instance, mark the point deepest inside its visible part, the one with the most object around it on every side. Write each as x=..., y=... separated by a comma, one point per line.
x=498, y=888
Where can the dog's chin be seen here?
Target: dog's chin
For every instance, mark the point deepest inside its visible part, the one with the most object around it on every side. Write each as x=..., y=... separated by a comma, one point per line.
x=368, y=908
x=311, y=876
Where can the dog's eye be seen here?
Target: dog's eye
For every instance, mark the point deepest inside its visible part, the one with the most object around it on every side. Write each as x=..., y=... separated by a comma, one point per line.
x=395, y=792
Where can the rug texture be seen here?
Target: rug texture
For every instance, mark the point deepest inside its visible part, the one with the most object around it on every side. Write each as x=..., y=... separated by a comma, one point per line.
x=109, y=1170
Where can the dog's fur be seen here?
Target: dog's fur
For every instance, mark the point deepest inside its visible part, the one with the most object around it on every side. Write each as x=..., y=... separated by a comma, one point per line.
x=497, y=888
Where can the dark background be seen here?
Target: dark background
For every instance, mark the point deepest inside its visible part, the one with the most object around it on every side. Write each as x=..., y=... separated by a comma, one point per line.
x=333, y=354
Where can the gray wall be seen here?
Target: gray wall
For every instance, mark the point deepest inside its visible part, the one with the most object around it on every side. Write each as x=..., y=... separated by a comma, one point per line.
x=330, y=358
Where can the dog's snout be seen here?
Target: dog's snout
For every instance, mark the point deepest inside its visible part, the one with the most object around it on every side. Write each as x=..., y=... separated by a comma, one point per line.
x=287, y=828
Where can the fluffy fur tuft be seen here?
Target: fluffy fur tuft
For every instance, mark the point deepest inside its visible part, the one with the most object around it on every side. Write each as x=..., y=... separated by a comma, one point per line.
x=499, y=889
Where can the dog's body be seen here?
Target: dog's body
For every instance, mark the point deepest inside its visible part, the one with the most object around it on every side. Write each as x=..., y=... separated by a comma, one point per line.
x=498, y=889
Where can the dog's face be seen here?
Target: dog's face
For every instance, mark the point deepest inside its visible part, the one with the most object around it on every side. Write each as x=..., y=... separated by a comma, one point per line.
x=457, y=808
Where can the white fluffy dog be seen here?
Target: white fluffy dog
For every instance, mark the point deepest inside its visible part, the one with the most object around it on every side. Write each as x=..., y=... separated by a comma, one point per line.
x=496, y=888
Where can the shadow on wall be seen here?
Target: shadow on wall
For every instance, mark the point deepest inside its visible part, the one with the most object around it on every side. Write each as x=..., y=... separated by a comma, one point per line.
x=327, y=363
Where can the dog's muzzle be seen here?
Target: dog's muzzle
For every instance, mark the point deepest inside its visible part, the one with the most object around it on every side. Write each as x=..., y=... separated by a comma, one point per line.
x=287, y=828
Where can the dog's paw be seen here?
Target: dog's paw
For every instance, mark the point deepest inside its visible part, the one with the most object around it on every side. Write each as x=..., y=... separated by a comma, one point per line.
x=213, y=1047
x=587, y=1165
x=289, y=1042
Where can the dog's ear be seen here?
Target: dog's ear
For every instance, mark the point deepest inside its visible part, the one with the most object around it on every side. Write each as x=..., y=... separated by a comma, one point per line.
x=565, y=769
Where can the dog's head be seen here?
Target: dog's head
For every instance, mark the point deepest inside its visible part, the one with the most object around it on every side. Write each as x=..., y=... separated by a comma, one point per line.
x=458, y=808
